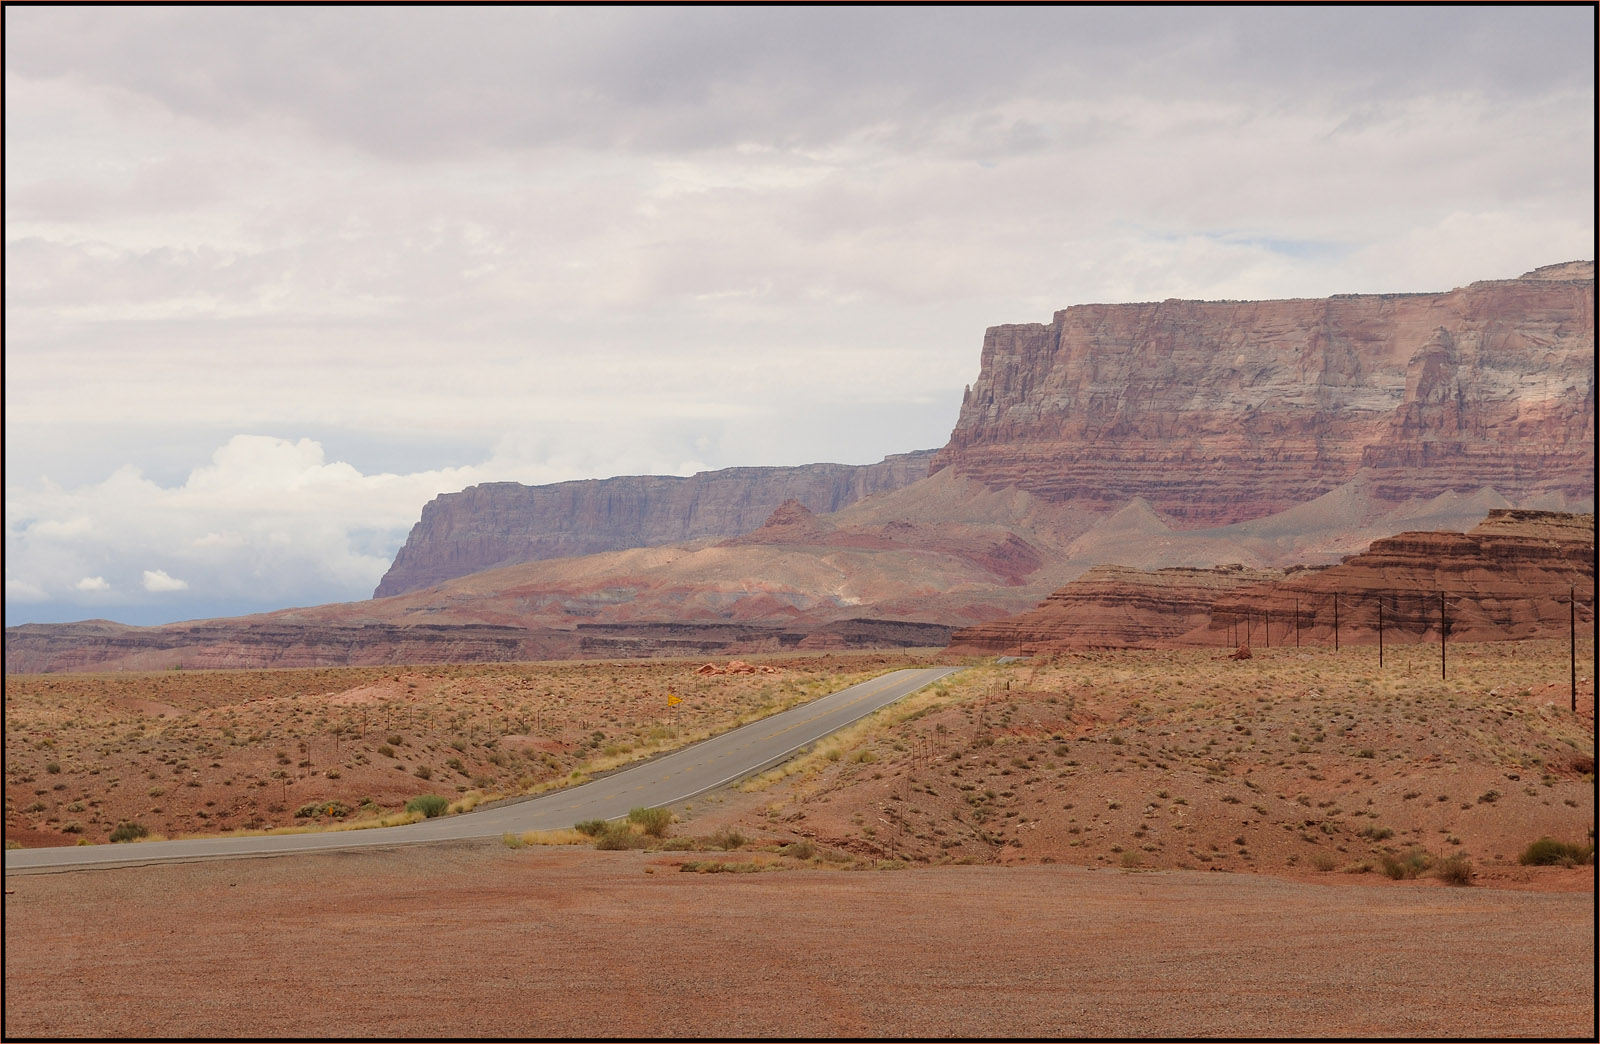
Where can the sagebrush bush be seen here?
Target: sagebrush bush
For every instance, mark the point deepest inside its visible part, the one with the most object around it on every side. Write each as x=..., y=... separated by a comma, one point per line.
x=618, y=836
x=1547, y=851
x=1454, y=870
x=129, y=832
x=728, y=839
x=430, y=805
x=590, y=827
x=654, y=821
x=1407, y=867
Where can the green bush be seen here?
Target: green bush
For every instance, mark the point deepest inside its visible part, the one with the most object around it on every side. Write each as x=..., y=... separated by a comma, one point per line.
x=590, y=827
x=800, y=850
x=1547, y=851
x=1407, y=867
x=430, y=805
x=129, y=832
x=654, y=821
x=422, y=772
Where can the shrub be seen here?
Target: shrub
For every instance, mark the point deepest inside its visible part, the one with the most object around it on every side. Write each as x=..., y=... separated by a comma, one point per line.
x=1454, y=870
x=590, y=827
x=430, y=805
x=422, y=772
x=1408, y=867
x=129, y=832
x=1377, y=833
x=800, y=850
x=310, y=811
x=654, y=821
x=1547, y=851
x=618, y=836
x=728, y=839
x=53, y=767
x=455, y=763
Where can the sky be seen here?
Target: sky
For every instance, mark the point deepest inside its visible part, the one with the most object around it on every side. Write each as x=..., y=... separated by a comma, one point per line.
x=277, y=276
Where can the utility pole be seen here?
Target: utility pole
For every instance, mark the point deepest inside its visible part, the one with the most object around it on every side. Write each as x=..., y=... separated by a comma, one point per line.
x=1443, y=626
x=1380, y=630
x=1266, y=631
x=1572, y=642
x=1336, y=622
x=1297, y=623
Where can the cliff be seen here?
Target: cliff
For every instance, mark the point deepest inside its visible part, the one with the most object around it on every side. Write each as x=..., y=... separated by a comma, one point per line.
x=1216, y=412
x=1507, y=578
x=1112, y=606
x=500, y=523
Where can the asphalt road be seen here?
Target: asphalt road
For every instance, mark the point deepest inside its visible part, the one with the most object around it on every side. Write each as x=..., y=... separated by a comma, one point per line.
x=661, y=781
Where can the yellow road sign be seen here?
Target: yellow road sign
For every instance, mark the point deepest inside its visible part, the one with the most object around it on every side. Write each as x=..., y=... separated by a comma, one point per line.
x=673, y=701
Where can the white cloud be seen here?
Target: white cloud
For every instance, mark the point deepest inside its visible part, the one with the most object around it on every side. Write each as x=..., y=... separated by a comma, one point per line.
x=95, y=583
x=157, y=580
x=579, y=243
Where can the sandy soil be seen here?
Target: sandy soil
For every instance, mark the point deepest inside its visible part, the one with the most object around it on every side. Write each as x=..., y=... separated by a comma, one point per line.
x=480, y=940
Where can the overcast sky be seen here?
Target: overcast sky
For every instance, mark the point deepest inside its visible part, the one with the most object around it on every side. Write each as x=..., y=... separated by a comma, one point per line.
x=276, y=276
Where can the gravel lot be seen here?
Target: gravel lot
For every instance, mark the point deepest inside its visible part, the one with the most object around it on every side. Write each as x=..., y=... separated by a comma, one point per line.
x=481, y=940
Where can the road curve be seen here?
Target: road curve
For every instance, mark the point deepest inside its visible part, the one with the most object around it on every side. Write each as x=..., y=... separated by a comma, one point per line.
x=664, y=780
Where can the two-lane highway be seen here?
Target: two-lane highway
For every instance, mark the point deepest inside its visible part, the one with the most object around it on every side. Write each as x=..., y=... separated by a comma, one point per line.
x=660, y=781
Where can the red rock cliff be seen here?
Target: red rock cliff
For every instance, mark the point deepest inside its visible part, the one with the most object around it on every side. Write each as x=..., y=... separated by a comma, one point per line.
x=1221, y=411
x=501, y=523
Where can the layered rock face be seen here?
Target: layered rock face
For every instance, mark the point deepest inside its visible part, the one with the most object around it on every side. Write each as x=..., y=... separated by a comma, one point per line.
x=1217, y=412
x=1508, y=578
x=500, y=523
x=101, y=645
x=1112, y=606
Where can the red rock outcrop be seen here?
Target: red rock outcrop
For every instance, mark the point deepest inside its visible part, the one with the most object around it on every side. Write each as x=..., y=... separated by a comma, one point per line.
x=1112, y=606
x=501, y=523
x=1222, y=411
x=1509, y=577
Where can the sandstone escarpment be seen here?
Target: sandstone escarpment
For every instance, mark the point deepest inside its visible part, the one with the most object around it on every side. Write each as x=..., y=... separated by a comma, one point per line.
x=500, y=523
x=1508, y=578
x=1112, y=606
x=1217, y=412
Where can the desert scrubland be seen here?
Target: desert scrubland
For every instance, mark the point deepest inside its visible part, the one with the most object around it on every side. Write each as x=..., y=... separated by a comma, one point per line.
x=1144, y=842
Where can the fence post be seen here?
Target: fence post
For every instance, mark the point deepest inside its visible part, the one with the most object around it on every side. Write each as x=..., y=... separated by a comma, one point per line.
x=1336, y=622
x=1297, y=623
x=1572, y=642
x=1443, y=625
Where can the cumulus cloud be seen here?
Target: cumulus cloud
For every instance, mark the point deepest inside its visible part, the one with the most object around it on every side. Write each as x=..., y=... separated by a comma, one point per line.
x=540, y=243
x=157, y=580
x=266, y=522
